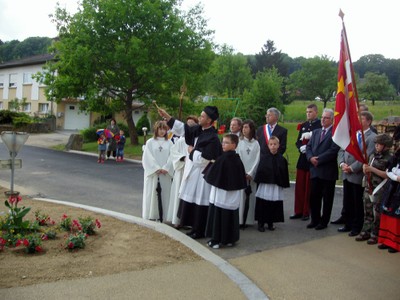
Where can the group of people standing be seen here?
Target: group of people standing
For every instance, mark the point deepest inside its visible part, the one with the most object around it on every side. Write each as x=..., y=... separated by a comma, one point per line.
x=216, y=186
x=366, y=186
x=113, y=144
x=194, y=180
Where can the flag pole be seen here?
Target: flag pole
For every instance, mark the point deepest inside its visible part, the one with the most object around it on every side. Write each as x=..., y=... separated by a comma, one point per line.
x=364, y=150
x=341, y=14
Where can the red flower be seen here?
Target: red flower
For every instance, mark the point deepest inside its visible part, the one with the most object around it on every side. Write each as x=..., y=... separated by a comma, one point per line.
x=12, y=200
x=76, y=224
x=38, y=249
x=64, y=216
x=53, y=222
x=25, y=242
x=19, y=198
x=98, y=224
x=44, y=237
x=18, y=243
x=71, y=245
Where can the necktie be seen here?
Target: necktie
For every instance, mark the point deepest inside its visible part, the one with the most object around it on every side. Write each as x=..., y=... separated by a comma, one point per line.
x=270, y=130
x=359, y=139
x=322, y=135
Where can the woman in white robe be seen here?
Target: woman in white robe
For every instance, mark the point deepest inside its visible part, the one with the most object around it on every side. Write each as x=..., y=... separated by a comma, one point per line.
x=249, y=152
x=157, y=166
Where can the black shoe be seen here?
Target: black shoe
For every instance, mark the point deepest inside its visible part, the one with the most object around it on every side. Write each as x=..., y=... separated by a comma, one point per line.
x=296, y=216
x=312, y=225
x=338, y=221
x=320, y=227
x=190, y=232
x=354, y=233
x=344, y=229
x=243, y=226
x=305, y=218
x=271, y=227
x=261, y=227
x=382, y=247
x=391, y=250
x=196, y=236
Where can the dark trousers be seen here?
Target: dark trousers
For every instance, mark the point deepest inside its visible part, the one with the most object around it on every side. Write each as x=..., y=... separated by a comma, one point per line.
x=302, y=193
x=353, y=205
x=322, y=194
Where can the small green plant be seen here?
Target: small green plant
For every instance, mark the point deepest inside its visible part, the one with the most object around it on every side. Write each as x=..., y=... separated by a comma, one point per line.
x=65, y=223
x=49, y=234
x=43, y=219
x=32, y=243
x=75, y=240
x=14, y=223
x=89, y=225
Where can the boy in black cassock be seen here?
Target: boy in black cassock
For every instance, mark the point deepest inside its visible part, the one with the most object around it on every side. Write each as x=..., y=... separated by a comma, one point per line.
x=271, y=177
x=227, y=177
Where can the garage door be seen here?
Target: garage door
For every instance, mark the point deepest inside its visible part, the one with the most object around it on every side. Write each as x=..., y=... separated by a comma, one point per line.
x=75, y=119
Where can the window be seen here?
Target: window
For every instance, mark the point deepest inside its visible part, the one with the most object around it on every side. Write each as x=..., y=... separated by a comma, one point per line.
x=27, y=78
x=27, y=107
x=43, y=108
x=1, y=105
x=1, y=81
x=13, y=80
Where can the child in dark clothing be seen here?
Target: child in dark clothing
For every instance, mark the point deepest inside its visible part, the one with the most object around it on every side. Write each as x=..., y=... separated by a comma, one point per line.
x=227, y=177
x=272, y=176
x=120, y=146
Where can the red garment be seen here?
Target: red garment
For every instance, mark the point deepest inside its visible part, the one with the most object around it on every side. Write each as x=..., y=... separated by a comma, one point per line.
x=389, y=232
x=302, y=193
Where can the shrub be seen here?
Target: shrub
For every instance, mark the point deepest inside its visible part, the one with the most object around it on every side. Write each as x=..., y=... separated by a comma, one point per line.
x=143, y=122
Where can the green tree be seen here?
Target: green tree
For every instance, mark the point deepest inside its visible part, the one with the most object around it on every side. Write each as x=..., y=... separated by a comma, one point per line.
x=266, y=92
x=370, y=63
x=269, y=58
x=376, y=86
x=112, y=52
x=316, y=78
x=229, y=74
x=29, y=47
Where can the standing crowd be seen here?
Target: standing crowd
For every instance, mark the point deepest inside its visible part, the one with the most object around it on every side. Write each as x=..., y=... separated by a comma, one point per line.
x=195, y=180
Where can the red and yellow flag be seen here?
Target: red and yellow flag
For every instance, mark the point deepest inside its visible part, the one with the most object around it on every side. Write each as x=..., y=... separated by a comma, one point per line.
x=346, y=122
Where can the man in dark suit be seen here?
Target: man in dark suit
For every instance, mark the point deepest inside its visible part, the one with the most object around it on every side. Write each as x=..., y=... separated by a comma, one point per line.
x=322, y=153
x=271, y=129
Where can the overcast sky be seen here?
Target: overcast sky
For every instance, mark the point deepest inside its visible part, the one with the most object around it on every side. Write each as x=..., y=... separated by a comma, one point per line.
x=298, y=28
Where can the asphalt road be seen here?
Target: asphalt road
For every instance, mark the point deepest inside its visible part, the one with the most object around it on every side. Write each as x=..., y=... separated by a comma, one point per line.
x=118, y=187
x=77, y=178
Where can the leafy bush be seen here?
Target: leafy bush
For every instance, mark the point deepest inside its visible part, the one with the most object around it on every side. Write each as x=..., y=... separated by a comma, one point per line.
x=7, y=116
x=142, y=122
x=22, y=120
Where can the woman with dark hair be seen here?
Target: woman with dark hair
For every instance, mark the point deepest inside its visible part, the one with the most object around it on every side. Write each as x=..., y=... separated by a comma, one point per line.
x=112, y=143
x=249, y=152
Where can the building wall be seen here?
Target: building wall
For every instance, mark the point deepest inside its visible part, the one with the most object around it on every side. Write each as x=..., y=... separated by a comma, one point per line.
x=17, y=83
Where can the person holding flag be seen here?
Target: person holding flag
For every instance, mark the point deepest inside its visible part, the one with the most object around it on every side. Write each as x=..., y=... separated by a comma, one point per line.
x=348, y=133
x=352, y=170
